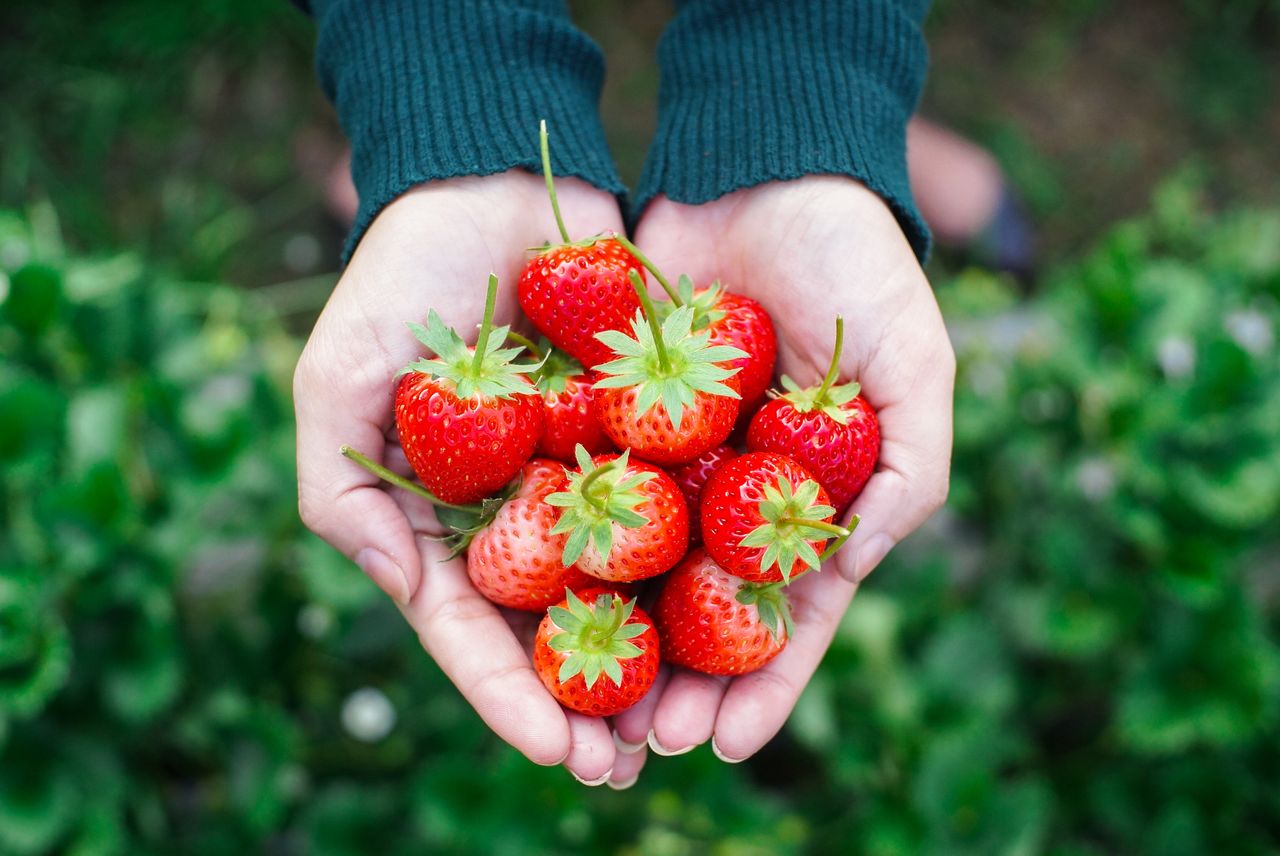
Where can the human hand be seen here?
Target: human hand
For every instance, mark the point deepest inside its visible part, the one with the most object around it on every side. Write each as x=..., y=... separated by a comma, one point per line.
x=808, y=250
x=433, y=248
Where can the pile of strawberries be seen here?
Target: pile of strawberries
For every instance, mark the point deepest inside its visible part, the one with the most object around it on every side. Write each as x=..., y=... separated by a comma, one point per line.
x=603, y=459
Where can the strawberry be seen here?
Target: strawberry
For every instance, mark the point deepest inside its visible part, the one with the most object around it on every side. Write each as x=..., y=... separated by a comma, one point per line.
x=691, y=478
x=762, y=513
x=732, y=319
x=829, y=428
x=743, y=323
x=514, y=560
x=573, y=290
x=597, y=655
x=625, y=519
x=566, y=393
x=470, y=418
x=713, y=622
x=670, y=395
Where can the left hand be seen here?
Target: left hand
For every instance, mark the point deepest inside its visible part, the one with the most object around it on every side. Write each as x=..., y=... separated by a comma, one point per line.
x=808, y=250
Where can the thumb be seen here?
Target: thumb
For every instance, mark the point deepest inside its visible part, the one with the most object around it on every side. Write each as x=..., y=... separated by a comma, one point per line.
x=342, y=502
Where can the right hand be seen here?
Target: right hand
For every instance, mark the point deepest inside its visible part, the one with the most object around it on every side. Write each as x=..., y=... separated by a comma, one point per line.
x=433, y=248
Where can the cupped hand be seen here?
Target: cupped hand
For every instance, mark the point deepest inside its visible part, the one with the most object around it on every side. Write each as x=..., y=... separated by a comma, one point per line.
x=433, y=248
x=808, y=250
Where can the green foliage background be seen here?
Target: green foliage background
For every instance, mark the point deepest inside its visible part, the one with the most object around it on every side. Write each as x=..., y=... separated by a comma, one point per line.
x=1078, y=656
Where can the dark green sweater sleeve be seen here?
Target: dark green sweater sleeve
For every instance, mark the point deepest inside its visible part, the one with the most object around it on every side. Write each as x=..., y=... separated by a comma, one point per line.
x=762, y=90
x=433, y=89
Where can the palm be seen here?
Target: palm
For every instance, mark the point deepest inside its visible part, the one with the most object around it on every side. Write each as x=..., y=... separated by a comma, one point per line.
x=433, y=249
x=809, y=250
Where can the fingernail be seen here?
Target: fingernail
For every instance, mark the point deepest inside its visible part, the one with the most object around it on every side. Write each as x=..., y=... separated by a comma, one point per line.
x=871, y=554
x=627, y=748
x=715, y=749
x=622, y=786
x=385, y=573
x=662, y=750
x=592, y=783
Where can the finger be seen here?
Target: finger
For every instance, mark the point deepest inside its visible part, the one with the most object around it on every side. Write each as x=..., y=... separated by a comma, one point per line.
x=686, y=713
x=591, y=756
x=757, y=704
x=626, y=768
x=470, y=640
x=914, y=470
x=631, y=727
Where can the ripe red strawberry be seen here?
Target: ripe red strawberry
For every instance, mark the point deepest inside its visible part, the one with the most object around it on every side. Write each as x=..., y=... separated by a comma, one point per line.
x=829, y=428
x=713, y=622
x=566, y=392
x=691, y=478
x=670, y=395
x=741, y=322
x=625, y=519
x=574, y=290
x=468, y=419
x=597, y=655
x=762, y=513
x=732, y=319
x=514, y=560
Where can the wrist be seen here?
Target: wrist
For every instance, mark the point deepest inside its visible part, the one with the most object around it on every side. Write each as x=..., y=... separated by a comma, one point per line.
x=777, y=91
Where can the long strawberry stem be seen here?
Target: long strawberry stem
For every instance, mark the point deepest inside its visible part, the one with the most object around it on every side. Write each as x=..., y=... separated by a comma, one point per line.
x=402, y=482
x=551, y=184
x=486, y=324
x=646, y=306
x=834, y=371
x=839, y=542
x=526, y=343
x=818, y=525
x=650, y=267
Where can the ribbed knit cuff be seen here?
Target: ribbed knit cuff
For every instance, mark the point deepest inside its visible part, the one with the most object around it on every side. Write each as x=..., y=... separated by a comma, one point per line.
x=764, y=90
x=433, y=89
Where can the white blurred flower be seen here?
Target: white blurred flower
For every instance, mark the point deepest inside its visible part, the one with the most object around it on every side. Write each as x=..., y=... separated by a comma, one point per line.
x=1251, y=330
x=315, y=620
x=1096, y=479
x=1177, y=357
x=367, y=715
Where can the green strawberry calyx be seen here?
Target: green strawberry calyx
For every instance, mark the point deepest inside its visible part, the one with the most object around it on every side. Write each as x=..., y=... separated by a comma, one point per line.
x=828, y=397
x=554, y=366
x=772, y=606
x=792, y=518
x=596, y=497
x=596, y=637
x=666, y=362
x=705, y=303
x=486, y=370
